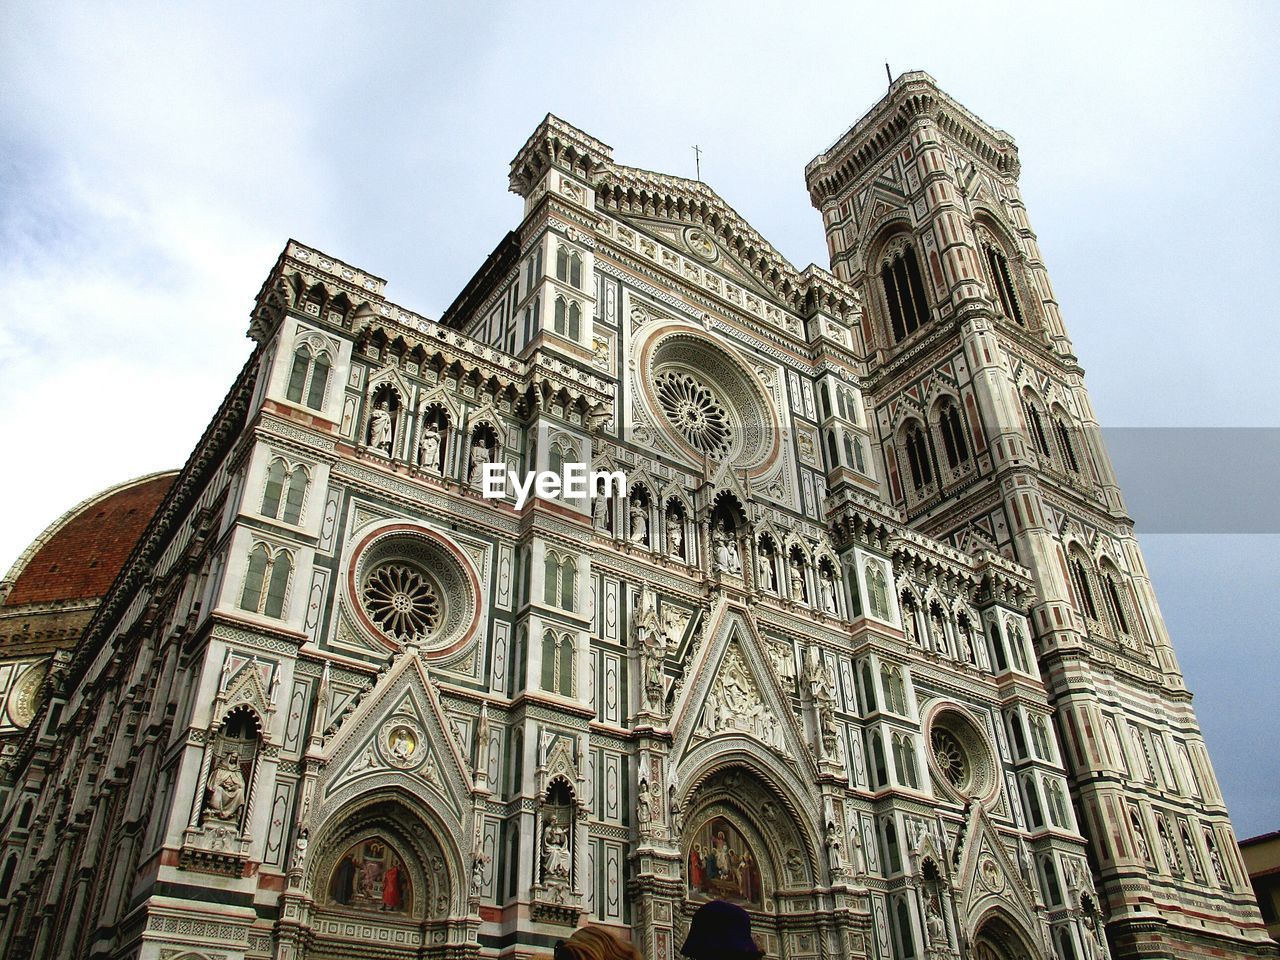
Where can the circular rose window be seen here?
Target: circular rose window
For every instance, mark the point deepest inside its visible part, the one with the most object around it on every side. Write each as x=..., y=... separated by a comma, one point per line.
x=716, y=408
x=959, y=753
x=411, y=588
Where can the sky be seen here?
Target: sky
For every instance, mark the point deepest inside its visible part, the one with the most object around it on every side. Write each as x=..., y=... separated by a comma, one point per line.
x=155, y=159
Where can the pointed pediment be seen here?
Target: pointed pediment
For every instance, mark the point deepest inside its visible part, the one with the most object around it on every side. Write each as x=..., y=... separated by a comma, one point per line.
x=733, y=691
x=399, y=731
x=988, y=875
x=715, y=257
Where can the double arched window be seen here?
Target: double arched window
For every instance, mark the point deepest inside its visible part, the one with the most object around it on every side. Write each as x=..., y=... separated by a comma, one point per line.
x=560, y=575
x=895, y=690
x=266, y=581
x=877, y=595
x=557, y=663
x=1082, y=582
x=286, y=487
x=1063, y=434
x=918, y=459
x=568, y=318
x=1035, y=424
x=904, y=760
x=903, y=291
x=1113, y=595
x=308, y=377
x=1002, y=281
x=952, y=430
x=569, y=266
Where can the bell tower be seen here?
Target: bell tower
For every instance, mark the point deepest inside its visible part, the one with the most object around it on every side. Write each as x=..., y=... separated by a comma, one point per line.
x=982, y=424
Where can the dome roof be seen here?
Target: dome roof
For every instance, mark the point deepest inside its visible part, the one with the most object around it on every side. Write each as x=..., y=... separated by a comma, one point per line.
x=80, y=554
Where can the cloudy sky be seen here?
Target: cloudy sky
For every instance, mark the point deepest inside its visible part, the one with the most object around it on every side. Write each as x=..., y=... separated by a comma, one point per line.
x=153, y=161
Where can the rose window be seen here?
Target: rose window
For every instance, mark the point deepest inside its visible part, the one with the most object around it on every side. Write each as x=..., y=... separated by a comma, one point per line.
x=950, y=757
x=402, y=600
x=411, y=589
x=709, y=400
x=961, y=754
x=696, y=412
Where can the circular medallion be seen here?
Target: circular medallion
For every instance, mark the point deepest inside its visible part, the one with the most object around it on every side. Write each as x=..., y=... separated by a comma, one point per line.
x=25, y=696
x=400, y=741
x=700, y=243
x=990, y=873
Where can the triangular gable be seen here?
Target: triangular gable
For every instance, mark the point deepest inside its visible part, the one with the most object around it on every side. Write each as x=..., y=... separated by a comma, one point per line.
x=400, y=729
x=733, y=692
x=988, y=876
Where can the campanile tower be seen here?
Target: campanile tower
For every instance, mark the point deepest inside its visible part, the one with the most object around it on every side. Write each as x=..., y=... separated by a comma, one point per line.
x=987, y=438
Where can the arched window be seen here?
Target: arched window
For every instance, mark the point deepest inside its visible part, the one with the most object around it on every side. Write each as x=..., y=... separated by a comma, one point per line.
x=1052, y=887
x=877, y=595
x=564, y=666
x=575, y=321
x=1035, y=426
x=904, y=292
x=6, y=878
x=1018, y=735
x=1018, y=643
x=998, y=265
x=569, y=266
x=558, y=663
x=309, y=377
x=904, y=761
x=953, y=444
x=918, y=457
x=1063, y=435
x=1114, y=599
x=1057, y=804
x=290, y=492
x=1081, y=581
x=868, y=688
x=560, y=575
x=893, y=853
x=1040, y=737
x=266, y=581
x=878, y=767
x=1031, y=802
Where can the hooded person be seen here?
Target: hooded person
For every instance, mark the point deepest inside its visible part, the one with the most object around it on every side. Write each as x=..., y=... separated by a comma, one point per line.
x=595, y=943
x=720, y=931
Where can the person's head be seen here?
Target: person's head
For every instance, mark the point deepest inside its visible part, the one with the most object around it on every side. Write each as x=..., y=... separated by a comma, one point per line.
x=593, y=943
x=720, y=931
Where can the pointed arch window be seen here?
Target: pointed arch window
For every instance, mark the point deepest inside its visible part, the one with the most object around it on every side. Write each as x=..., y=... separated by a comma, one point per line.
x=904, y=761
x=560, y=575
x=904, y=292
x=569, y=266
x=266, y=581
x=998, y=264
x=558, y=663
x=1057, y=804
x=918, y=457
x=308, y=377
x=1112, y=596
x=1063, y=435
x=568, y=318
x=953, y=443
x=1080, y=579
x=1035, y=427
x=285, y=487
x=877, y=595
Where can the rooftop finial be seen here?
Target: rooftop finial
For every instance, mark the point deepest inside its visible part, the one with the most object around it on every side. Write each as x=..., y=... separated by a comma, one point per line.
x=697, y=162
x=888, y=73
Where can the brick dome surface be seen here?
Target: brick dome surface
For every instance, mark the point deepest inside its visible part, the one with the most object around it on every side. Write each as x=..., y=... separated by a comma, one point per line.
x=79, y=556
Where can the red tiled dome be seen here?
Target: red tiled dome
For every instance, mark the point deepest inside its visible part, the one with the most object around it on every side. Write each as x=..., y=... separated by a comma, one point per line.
x=79, y=556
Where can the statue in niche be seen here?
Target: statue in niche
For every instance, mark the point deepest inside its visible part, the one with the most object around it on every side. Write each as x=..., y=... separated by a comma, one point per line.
x=639, y=525
x=765, y=577
x=721, y=540
x=555, y=851
x=934, y=924
x=827, y=590
x=644, y=809
x=600, y=507
x=735, y=558
x=651, y=641
x=835, y=854
x=798, y=592
x=1140, y=836
x=429, y=448
x=480, y=455
x=822, y=685
x=675, y=538
x=1215, y=858
x=224, y=794
x=380, y=427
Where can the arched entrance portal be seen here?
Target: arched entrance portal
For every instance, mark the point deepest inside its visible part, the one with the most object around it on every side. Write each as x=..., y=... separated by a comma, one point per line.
x=379, y=877
x=742, y=842
x=998, y=939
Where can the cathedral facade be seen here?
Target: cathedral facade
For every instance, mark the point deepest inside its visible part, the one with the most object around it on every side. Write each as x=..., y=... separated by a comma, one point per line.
x=864, y=642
